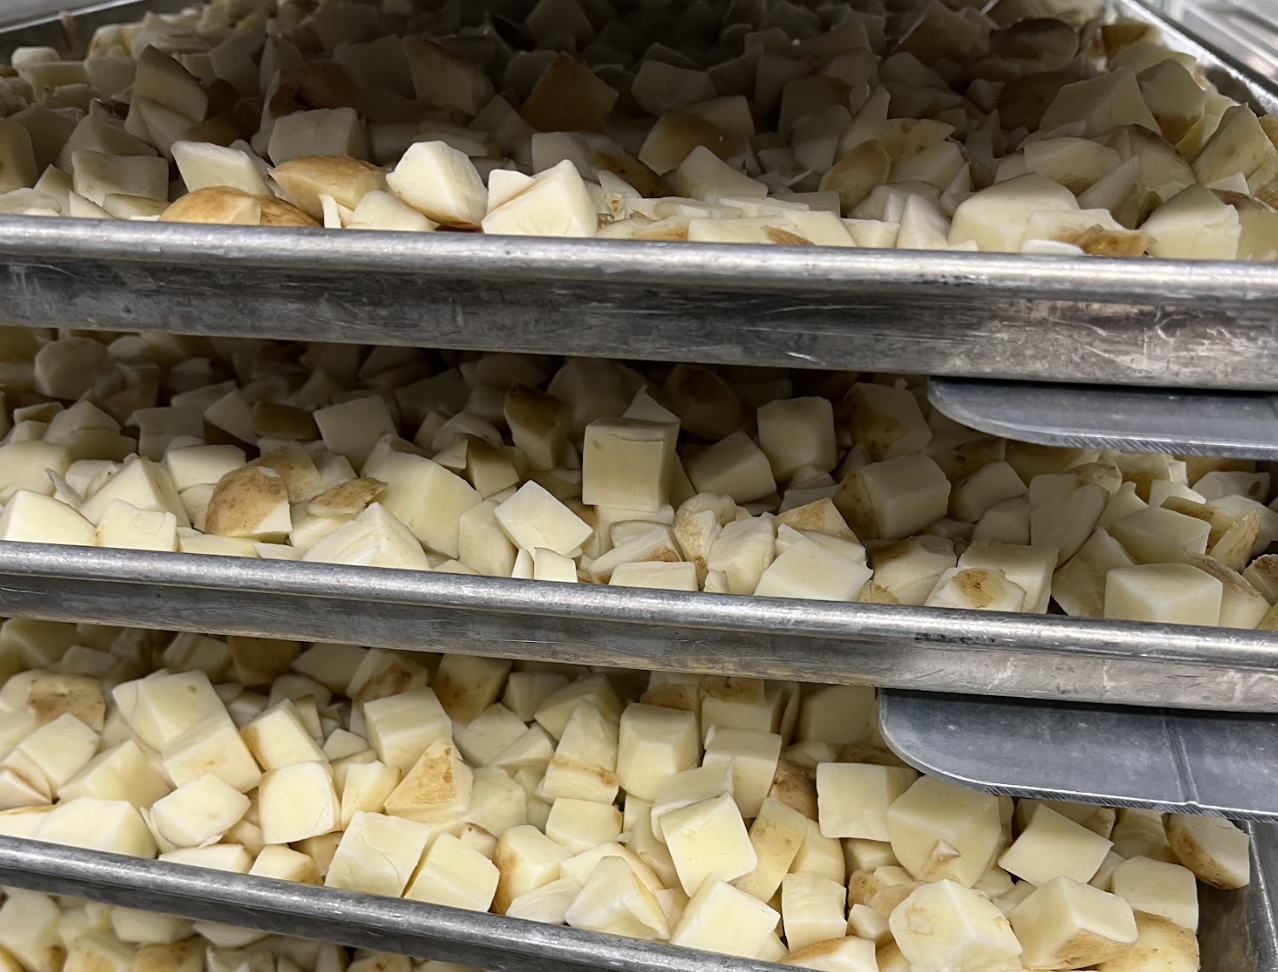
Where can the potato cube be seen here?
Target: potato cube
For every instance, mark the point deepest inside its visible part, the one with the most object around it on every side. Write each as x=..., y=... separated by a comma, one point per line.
x=199, y=812
x=734, y=466
x=486, y=736
x=795, y=433
x=249, y=503
x=837, y=714
x=977, y=589
x=585, y=761
x=1078, y=586
x=1194, y=225
x=811, y=909
x=29, y=930
x=467, y=685
x=753, y=756
x=1029, y=567
x=948, y=926
x=527, y=859
x=776, y=835
x=853, y=798
x=114, y=826
x=557, y=708
x=628, y=463
x=1170, y=593
x=278, y=738
x=939, y=831
x=892, y=499
x=689, y=787
x=377, y=854
x=1141, y=833
x=1066, y=925
x=32, y=518
x=742, y=552
x=614, y=900
x=708, y=839
x=974, y=494
x=147, y=927
x=441, y=183
x=437, y=790
x=996, y=218
x=582, y=824
x=1159, y=535
x=57, y=751
x=498, y=802
x=218, y=857
x=213, y=746
x=742, y=703
x=722, y=919
x=401, y=727
x=533, y=518
x=548, y=904
x=810, y=571
x=1213, y=848
x=285, y=864
x=1157, y=888
x=297, y=801
x=1054, y=846
x=654, y=743
x=847, y=954
x=555, y=202
x=120, y=773
x=425, y=497
x=365, y=788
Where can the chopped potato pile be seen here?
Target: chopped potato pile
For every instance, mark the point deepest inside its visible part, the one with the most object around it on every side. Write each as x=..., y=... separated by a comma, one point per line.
x=1035, y=126
x=742, y=481
x=61, y=934
x=754, y=818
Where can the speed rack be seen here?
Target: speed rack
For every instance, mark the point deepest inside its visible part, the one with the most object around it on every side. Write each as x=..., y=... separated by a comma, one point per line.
x=996, y=316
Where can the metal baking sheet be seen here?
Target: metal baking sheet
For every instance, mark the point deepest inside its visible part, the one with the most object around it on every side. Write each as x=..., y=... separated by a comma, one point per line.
x=982, y=653
x=350, y=918
x=1093, y=320
x=1235, y=424
x=1218, y=763
x=1236, y=928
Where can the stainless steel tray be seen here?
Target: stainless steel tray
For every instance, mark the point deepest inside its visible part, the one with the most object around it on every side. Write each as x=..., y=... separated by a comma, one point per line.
x=1088, y=320
x=1236, y=424
x=1033, y=656
x=1236, y=928
x=1173, y=761
x=364, y=920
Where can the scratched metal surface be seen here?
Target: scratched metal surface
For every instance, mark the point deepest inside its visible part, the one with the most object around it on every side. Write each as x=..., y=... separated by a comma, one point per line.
x=1086, y=320
x=1032, y=656
x=1152, y=323
x=1236, y=928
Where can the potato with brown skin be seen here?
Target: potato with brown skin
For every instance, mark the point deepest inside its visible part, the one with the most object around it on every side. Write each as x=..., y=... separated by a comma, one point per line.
x=347, y=180
x=217, y=204
x=249, y=502
x=1161, y=946
x=1213, y=848
x=855, y=175
x=346, y=499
